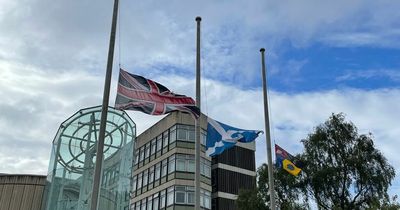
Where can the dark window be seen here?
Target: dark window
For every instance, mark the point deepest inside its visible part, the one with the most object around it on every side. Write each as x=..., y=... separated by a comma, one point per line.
x=237, y=156
x=223, y=204
x=231, y=182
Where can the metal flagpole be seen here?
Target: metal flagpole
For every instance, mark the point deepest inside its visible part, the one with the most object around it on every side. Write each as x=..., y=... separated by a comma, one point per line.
x=197, y=142
x=271, y=186
x=104, y=110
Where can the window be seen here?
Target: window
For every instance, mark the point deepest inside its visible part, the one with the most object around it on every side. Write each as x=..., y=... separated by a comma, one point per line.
x=201, y=198
x=150, y=203
x=159, y=143
x=181, y=162
x=136, y=158
x=191, y=135
x=185, y=133
x=162, y=199
x=205, y=199
x=134, y=183
x=191, y=164
x=190, y=195
x=141, y=157
x=147, y=151
x=105, y=178
x=137, y=205
x=164, y=168
x=171, y=164
x=170, y=196
x=185, y=163
x=145, y=178
x=205, y=167
x=165, y=139
x=153, y=147
x=172, y=135
x=182, y=134
x=203, y=137
x=157, y=173
x=184, y=195
x=151, y=174
x=144, y=204
x=155, y=201
x=180, y=194
x=139, y=183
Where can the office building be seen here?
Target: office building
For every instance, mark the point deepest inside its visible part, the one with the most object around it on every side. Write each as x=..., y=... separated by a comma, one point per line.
x=164, y=166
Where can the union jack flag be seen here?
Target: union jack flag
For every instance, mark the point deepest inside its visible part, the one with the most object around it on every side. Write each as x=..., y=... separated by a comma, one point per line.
x=141, y=94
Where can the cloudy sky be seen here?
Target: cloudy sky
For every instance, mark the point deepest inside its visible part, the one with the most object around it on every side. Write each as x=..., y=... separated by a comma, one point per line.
x=322, y=58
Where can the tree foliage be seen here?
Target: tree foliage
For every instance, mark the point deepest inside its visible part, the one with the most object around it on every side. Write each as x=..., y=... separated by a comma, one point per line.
x=287, y=192
x=343, y=169
x=250, y=199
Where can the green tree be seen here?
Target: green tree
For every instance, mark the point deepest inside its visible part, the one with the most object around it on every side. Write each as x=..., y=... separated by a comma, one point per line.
x=250, y=200
x=343, y=169
x=288, y=191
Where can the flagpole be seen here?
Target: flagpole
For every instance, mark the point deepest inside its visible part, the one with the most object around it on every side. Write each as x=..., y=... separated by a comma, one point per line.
x=104, y=110
x=198, y=95
x=271, y=185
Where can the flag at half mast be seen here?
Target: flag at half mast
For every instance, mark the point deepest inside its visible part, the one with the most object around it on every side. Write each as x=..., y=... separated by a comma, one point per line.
x=221, y=137
x=140, y=94
x=286, y=161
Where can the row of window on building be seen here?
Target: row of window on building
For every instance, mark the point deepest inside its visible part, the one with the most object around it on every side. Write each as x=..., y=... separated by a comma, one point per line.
x=175, y=133
x=110, y=175
x=175, y=162
x=178, y=195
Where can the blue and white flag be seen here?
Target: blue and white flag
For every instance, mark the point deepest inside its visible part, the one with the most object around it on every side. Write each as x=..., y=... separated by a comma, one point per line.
x=221, y=137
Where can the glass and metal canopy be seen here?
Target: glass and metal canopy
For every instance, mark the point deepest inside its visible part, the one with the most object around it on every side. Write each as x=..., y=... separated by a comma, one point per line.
x=73, y=157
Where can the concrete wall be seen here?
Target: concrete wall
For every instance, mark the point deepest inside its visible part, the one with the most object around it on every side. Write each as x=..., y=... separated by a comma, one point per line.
x=21, y=192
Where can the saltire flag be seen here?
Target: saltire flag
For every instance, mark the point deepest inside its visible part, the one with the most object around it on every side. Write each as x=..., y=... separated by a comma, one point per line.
x=286, y=161
x=141, y=94
x=221, y=137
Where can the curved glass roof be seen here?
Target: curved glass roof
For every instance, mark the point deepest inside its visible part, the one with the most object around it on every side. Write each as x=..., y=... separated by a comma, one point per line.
x=73, y=159
x=80, y=131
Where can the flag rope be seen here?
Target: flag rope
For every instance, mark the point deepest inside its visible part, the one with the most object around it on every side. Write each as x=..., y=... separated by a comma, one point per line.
x=119, y=36
x=272, y=127
x=205, y=93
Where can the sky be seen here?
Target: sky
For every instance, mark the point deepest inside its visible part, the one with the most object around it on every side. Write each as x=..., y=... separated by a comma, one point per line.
x=322, y=57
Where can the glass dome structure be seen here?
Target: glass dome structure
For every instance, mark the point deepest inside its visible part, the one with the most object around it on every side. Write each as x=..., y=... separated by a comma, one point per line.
x=73, y=157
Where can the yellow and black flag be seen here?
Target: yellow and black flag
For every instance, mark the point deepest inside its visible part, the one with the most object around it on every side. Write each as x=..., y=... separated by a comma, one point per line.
x=285, y=160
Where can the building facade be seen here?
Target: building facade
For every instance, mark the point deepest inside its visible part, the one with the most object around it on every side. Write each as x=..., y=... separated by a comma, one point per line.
x=232, y=171
x=164, y=166
x=20, y=191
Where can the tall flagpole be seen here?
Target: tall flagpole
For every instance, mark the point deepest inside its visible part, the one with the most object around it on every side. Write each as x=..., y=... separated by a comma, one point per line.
x=104, y=110
x=271, y=185
x=197, y=142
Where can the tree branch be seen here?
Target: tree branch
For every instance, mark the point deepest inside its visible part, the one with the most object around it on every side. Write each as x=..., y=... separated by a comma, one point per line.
x=358, y=194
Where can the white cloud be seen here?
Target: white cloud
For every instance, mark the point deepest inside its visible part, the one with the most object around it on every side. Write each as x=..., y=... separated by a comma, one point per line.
x=53, y=54
x=391, y=74
x=293, y=116
x=34, y=104
x=37, y=101
x=74, y=34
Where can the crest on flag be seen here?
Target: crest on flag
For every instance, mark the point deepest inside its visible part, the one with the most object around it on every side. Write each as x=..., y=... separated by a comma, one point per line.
x=287, y=161
x=221, y=137
x=138, y=93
